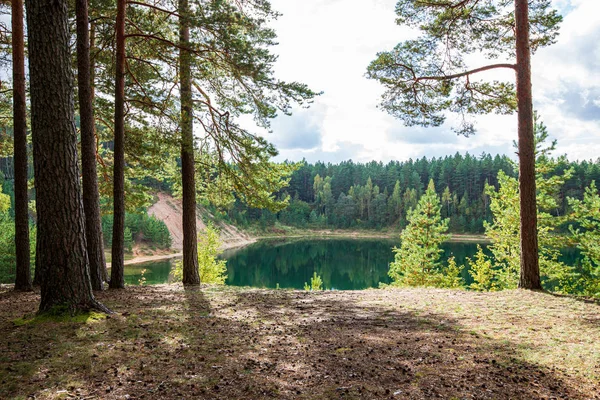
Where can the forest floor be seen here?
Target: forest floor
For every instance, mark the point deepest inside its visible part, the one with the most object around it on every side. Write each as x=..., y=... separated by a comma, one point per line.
x=164, y=342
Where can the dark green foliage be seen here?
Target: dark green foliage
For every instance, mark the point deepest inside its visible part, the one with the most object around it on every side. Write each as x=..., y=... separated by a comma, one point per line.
x=296, y=213
x=586, y=215
x=139, y=226
x=377, y=195
x=460, y=182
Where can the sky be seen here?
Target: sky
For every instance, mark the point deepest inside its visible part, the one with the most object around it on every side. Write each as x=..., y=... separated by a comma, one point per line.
x=328, y=45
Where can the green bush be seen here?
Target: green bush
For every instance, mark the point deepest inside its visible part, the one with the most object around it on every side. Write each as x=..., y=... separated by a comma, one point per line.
x=7, y=241
x=211, y=270
x=150, y=228
x=7, y=249
x=128, y=240
x=156, y=231
x=316, y=283
x=482, y=272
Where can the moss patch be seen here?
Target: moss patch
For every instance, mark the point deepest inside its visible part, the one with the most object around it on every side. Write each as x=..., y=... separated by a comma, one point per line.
x=56, y=317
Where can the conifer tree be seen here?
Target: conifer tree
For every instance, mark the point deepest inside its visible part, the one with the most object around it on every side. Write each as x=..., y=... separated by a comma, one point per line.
x=23, y=271
x=61, y=245
x=89, y=178
x=429, y=75
x=504, y=231
x=417, y=261
x=586, y=213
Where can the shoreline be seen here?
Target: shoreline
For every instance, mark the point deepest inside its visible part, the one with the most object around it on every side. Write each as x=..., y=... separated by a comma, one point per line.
x=164, y=257
x=238, y=244
x=454, y=237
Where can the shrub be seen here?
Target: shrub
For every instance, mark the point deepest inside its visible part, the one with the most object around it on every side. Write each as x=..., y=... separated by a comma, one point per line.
x=316, y=283
x=152, y=229
x=211, y=269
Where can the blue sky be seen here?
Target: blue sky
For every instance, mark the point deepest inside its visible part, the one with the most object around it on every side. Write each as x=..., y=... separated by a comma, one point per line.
x=329, y=43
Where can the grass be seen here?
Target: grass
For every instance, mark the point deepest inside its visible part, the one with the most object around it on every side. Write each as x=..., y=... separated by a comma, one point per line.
x=221, y=342
x=85, y=318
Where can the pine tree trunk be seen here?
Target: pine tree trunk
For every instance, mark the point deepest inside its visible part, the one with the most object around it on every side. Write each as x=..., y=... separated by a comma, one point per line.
x=190, y=237
x=62, y=255
x=105, y=276
x=91, y=196
x=23, y=273
x=117, y=280
x=530, y=270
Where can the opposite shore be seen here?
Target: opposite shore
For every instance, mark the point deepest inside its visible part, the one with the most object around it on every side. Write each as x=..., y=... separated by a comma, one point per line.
x=308, y=234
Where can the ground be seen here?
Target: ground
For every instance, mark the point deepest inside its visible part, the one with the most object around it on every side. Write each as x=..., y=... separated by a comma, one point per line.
x=164, y=342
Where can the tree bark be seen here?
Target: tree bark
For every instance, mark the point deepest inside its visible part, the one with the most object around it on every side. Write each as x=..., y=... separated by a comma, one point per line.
x=117, y=280
x=188, y=180
x=23, y=273
x=105, y=276
x=65, y=283
x=91, y=195
x=530, y=270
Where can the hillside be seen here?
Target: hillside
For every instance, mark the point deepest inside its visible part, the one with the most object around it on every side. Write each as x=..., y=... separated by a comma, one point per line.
x=227, y=343
x=169, y=210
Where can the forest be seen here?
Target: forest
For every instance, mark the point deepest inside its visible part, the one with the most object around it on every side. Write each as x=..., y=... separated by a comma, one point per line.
x=108, y=107
x=376, y=195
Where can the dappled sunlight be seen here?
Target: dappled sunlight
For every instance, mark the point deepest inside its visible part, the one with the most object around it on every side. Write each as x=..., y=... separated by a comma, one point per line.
x=237, y=343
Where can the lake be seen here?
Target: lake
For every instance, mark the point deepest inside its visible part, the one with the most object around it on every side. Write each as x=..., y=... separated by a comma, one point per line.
x=343, y=264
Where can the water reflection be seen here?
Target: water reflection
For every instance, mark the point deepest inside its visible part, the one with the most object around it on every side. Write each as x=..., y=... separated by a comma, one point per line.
x=344, y=264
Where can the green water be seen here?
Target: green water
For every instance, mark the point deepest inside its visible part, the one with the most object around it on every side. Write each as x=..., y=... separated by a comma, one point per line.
x=152, y=273
x=343, y=264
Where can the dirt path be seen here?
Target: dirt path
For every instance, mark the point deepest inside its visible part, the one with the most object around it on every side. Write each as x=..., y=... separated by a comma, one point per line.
x=227, y=343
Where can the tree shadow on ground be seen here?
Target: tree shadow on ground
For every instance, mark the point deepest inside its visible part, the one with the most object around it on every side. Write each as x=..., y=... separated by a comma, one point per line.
x=586, y=300
x=170, y=343
x=320, y=344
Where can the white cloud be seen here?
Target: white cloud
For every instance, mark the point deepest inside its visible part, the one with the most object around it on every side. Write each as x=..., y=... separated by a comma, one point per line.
x=328, y=44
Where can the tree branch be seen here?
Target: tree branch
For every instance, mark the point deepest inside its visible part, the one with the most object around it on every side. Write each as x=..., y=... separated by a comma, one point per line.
x=169, y=13
x=461, y=74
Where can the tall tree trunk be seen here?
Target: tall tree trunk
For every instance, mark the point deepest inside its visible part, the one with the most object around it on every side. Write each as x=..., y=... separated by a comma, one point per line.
x=105, y=276
x=23, y=278
x=190, y=237
x=530, y=270
x=117, y=280
x=91, y=196
x=62, y=252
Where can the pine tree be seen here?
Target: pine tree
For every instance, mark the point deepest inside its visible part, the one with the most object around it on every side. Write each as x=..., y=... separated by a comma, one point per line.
x=505, y=233
x=586, y=213
x=429, y=75
x=23, y=272
x=417, y=261
x=447, y=198
x=395, y=202
x=89, y=178
x=62, y=253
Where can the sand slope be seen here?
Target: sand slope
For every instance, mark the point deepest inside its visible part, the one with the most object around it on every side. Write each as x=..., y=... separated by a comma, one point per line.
x=169, y=210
